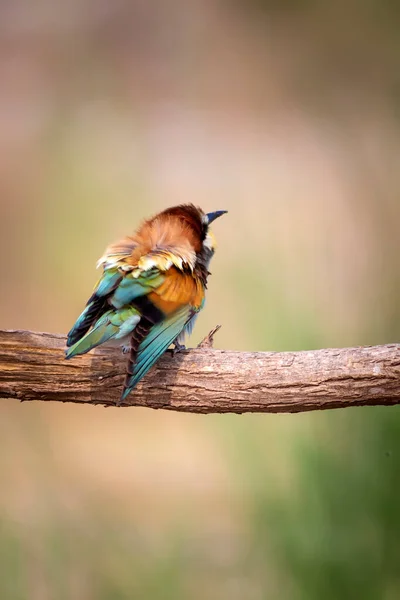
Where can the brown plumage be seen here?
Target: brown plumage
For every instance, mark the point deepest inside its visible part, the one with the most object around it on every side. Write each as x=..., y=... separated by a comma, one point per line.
x=175, y=229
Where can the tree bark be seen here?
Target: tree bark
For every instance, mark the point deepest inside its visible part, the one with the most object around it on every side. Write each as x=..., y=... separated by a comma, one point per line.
x=203, y=380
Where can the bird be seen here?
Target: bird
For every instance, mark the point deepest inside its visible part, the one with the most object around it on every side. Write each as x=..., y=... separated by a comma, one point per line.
x=151, y=290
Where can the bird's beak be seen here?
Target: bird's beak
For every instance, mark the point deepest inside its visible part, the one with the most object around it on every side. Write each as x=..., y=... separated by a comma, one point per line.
x=214, y=215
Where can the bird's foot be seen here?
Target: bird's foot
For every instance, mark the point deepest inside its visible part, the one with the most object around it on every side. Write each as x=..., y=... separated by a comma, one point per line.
x=126, y=348
x=177, y=348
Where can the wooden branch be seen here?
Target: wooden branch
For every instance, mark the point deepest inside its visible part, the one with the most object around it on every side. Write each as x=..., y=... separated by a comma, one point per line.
x=32, y=367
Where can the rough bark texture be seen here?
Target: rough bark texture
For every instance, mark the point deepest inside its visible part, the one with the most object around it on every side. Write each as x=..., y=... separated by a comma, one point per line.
x=32, y=367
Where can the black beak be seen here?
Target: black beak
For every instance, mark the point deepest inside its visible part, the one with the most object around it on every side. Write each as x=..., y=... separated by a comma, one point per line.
x=214, y=215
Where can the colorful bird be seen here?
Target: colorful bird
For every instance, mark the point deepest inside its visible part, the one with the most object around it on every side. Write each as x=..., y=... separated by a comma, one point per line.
x=151, y=290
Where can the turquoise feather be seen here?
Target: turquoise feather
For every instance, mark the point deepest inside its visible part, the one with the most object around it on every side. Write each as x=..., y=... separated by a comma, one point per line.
x=155, y=344
x=95, y=305
x=108, y=282
x=132, y=287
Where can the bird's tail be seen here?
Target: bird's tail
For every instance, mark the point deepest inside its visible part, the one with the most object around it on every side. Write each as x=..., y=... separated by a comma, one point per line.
x=151, y=344
x=138, y=335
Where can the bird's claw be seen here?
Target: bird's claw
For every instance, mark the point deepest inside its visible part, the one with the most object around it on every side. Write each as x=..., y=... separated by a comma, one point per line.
x=177, y=348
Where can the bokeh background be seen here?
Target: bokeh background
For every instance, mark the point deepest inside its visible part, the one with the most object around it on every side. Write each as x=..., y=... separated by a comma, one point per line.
x=287, y=115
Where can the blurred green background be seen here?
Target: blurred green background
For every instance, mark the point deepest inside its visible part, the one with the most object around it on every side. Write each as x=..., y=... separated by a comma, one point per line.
x=287, y=115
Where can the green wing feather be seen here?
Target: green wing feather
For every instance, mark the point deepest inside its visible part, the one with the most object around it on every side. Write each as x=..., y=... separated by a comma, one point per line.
x=114, y=324
x=113, y=290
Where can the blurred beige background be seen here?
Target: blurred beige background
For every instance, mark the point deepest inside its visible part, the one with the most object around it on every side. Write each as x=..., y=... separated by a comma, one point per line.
x=287, y=115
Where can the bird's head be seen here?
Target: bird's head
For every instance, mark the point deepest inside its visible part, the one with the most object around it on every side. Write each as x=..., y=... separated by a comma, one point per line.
x=188, y=228
x=208, y=239
x=197, y=222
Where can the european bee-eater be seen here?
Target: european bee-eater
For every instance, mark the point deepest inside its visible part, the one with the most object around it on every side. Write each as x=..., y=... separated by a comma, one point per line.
x=151, y=290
